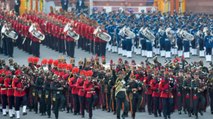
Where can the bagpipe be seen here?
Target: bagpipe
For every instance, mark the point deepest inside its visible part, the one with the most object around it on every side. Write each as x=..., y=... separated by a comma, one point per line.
x=70, y=32
x=36, y=33
x=102, y=35
x=25, y=82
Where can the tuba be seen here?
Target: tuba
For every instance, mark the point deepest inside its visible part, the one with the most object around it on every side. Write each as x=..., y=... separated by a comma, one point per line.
x=170, y=34
x=70, y=32
x=102, y=35
x=186, y=35
x=34, y=32
x=148, y=34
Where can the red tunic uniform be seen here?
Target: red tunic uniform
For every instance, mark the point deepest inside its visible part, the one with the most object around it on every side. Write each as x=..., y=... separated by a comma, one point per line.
x=8, y=85
x=18, y=88
x=164, y=88
x=147, y=84
x=72, y=84
x=3, y=89
x=89, y=88
x=80, y=87
x=155, y=88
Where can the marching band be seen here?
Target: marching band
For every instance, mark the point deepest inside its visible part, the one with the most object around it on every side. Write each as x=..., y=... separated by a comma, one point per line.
x=160, y=89
x=55, y=85
x=120, y=32
x=158, y=34
x=59, y=31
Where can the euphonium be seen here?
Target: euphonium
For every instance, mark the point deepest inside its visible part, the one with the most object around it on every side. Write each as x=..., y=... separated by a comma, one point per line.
x=36, y=33
x=170, y=34
x=186, y=35
x=102, y=35
x=178, y=33
x=127, y=32
x=148, y=34
x=205, y=30
x=70, y=32
x=119, y=86
x=9, y=32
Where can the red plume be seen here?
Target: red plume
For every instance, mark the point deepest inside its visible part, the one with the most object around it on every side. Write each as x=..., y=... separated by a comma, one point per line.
x=44, y=61
x=64, y=65
x=30, y=59
x=83, y=72
x=60, y=66
x=75, y=70
x=55, y=63
x=35, y=60
x=69, y=67
x=89, y=73
x=50, y=61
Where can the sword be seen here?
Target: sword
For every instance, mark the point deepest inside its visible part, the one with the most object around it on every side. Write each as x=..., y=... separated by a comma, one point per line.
x=24, y=40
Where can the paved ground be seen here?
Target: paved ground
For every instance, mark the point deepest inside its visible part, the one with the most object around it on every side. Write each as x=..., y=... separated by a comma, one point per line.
x=98, y=114
x=21, y=58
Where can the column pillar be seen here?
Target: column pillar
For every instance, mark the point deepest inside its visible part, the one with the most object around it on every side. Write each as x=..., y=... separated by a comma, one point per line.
x=177, y=6
x=172, y=7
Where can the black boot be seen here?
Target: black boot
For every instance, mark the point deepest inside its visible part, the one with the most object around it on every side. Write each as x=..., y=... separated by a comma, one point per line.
x=201, y=113
x=189, y=114
x=123, y=117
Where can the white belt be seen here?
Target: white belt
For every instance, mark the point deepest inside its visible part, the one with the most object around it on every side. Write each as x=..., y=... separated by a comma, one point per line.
x=91, y=92
x=123, y=89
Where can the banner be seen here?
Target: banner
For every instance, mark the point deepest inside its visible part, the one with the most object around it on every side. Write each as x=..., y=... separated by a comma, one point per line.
x=183, y=6
x=41, y=5
x=23, y=6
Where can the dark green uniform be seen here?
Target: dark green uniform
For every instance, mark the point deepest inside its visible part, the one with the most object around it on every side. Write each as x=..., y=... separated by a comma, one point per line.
x=107, y=90
x=57, y=89
x=41, y=95
x=210, y=88
x=133, y=91
x=48, y=96
x=179, y=93
x=120, y=94
x=187, y=95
